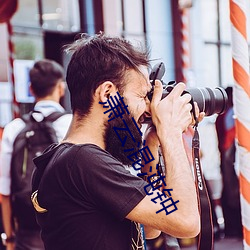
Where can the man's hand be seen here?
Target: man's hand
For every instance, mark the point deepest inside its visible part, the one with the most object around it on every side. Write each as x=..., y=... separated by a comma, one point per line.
x=199, y=115
x=172, y=114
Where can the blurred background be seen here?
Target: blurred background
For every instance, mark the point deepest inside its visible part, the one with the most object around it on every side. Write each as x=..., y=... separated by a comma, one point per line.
x=192, y=38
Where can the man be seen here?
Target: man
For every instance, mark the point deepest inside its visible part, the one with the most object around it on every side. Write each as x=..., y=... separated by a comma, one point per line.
x=47, y=86
x=86, y=199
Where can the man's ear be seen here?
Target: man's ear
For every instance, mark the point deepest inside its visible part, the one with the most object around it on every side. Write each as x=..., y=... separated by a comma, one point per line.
x=31, y=90
x=105, y=90
x=62, y=88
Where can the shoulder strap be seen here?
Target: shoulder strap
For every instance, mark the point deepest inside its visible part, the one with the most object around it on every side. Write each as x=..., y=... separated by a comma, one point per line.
x=26, y=117
x=44, y=123
x=51, y=118
x=54, y=116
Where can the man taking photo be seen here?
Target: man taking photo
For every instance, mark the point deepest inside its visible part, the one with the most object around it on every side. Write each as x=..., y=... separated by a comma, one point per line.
x=84, y=196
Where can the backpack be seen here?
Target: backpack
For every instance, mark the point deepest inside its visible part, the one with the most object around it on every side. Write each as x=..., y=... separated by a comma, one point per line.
x=37, y=135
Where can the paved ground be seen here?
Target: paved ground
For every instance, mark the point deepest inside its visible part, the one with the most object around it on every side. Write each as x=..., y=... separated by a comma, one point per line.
x=223, y=244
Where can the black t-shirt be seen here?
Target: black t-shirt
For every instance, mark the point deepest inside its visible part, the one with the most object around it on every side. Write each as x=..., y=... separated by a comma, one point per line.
x=88, y=194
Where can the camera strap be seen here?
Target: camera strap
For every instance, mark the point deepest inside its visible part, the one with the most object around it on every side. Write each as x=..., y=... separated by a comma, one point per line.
x=205, y=238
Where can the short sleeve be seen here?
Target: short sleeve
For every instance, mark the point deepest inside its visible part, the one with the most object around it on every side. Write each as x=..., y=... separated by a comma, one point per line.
x=10, y=133
x=61, y=126
x=107, y=182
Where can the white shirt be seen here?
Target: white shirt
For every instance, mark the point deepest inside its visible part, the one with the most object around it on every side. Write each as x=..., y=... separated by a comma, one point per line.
x=210, y=160
x=11, y=131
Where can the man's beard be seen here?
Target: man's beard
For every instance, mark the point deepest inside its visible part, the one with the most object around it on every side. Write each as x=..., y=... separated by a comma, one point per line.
x=114, y=144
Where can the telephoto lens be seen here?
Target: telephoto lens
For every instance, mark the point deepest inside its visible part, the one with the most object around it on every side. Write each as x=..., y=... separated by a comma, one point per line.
x=210, y=101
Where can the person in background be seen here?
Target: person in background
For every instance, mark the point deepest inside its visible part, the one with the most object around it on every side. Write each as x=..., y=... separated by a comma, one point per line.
x=47, y=86
x=225, y=126
x=210, y=162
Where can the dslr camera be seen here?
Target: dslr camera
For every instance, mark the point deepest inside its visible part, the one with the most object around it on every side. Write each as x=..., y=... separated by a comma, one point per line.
x=210, y=101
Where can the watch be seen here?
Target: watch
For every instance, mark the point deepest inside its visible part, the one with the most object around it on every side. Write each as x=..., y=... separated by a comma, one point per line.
x=6, y=239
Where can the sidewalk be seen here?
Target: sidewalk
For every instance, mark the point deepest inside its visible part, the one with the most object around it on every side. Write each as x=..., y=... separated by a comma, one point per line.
x=223, y=244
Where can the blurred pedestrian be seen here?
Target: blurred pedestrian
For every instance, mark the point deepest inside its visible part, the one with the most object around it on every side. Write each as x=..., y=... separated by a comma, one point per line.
x=47, y=85
x=225, y=125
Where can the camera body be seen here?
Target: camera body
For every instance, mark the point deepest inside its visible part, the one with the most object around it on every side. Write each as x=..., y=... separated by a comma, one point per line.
x=210, y=101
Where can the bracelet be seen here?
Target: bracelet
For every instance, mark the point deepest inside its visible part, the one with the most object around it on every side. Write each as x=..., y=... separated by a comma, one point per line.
x=156, y=179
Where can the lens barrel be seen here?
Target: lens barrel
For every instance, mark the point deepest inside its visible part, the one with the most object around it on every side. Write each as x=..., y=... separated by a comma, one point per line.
x=210, y=101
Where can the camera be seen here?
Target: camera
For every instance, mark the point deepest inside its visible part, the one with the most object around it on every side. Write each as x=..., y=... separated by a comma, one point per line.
x=210, y=101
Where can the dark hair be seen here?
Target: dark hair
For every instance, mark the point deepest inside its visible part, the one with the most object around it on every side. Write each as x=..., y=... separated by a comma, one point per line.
x=44, y=76
x=97, y=59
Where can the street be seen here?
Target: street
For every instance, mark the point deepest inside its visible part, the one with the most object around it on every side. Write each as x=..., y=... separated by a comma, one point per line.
x=223, y=244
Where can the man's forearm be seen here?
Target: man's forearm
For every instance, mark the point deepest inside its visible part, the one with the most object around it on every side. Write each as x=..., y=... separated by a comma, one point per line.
x=7, y=215
x=179, y=176
x=153, y=143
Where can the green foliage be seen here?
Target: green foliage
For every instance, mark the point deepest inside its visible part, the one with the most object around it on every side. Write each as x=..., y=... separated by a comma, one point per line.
x=25, y=49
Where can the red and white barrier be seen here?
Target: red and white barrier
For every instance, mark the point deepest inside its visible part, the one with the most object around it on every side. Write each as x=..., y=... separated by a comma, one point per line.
x=241, y=95
x=11, y=70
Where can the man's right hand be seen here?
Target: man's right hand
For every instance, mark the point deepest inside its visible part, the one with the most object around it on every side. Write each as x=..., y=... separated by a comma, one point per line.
x=172, y=114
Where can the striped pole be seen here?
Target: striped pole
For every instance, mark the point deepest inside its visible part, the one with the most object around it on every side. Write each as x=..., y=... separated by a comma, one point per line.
x=185, y=60
x=15, y=106
x=185, y=65
x=241, y=95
